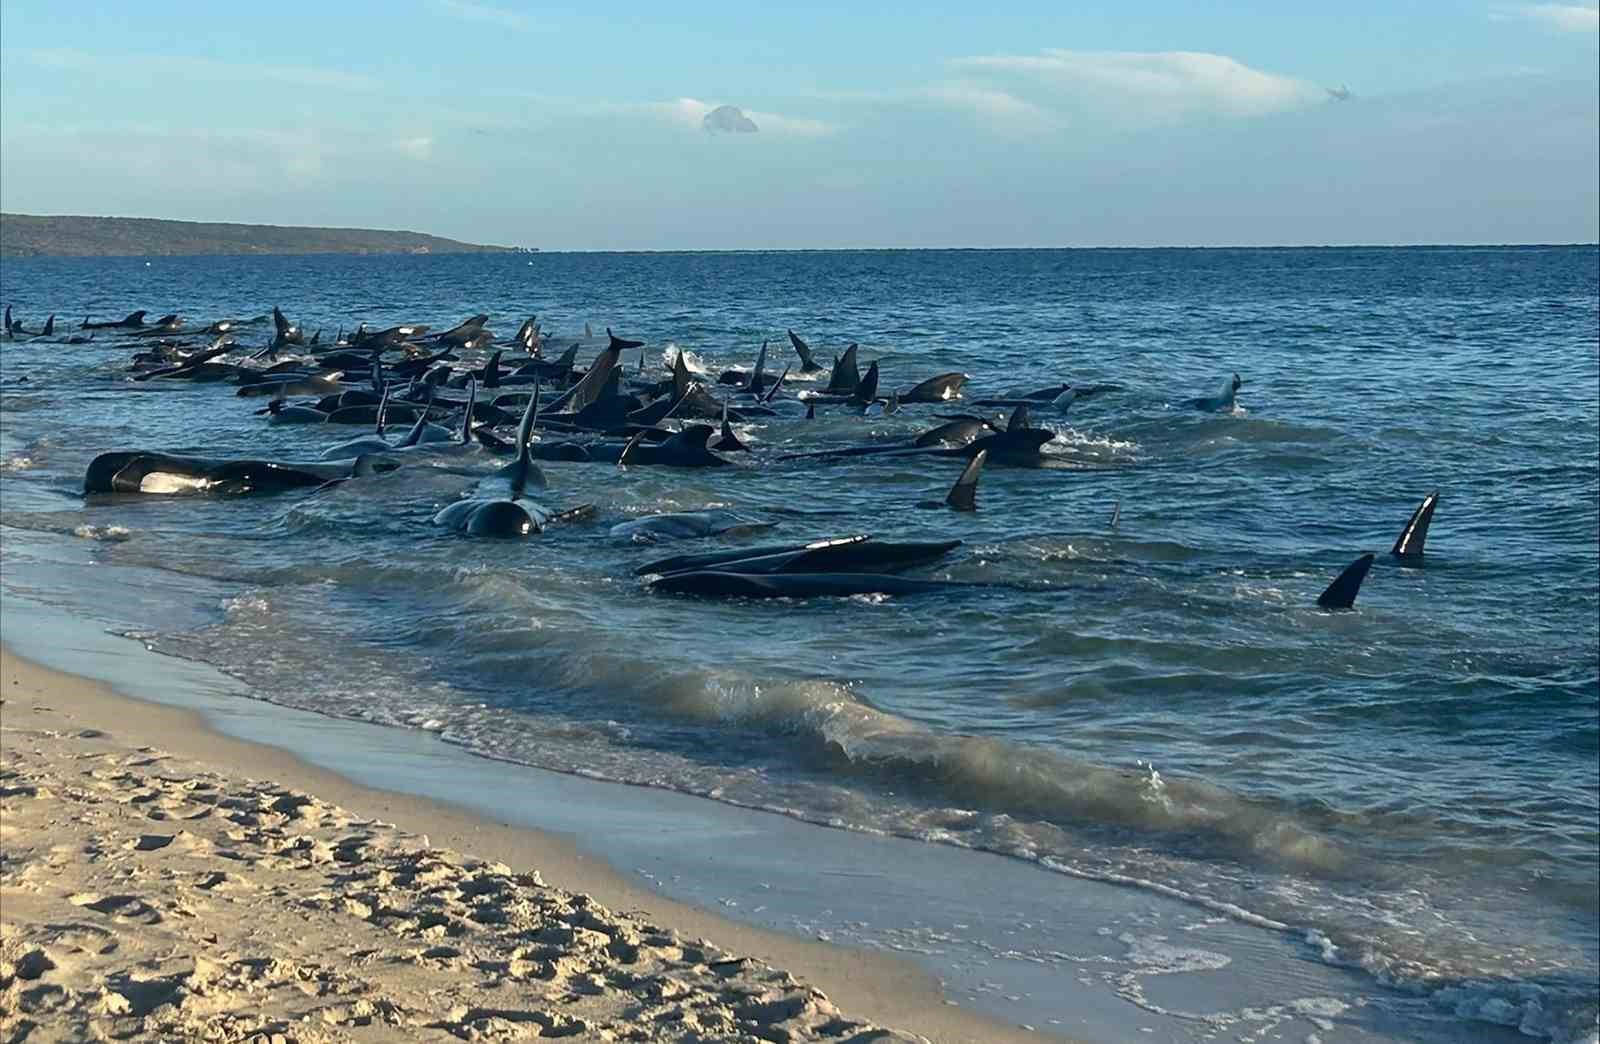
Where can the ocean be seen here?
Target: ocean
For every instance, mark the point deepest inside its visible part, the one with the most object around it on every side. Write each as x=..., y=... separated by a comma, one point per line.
x=1411, y=788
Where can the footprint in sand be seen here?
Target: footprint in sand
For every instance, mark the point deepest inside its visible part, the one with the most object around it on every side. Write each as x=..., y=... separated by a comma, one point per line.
x=123, y=907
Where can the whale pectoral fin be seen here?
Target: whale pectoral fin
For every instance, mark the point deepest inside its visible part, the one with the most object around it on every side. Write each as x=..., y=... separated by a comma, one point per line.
x=1415, y=535
x=964, y=494
x=368, y=464
x=583, y=512
x=1341, y=594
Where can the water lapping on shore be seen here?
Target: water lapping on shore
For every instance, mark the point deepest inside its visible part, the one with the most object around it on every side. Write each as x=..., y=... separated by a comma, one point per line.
x=1406, y=788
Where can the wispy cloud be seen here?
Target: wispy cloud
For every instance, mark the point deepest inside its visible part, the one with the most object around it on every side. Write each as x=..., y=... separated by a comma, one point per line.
x=1570, y=18
x=1158, y=85
x=67, y=58
x=995, y=106
x=420, y=147
x=483, y=13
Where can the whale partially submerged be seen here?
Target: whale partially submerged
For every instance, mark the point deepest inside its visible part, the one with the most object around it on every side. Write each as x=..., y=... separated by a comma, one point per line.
x=142, y=471
x=500, y=505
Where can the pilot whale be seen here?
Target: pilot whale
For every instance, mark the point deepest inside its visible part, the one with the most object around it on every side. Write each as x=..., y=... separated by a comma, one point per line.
x=1222, y=402
x=684, y=525
x=500, y=506
x=139, y=471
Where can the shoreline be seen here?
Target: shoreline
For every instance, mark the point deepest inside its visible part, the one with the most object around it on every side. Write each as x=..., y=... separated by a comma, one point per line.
x=995, y=947
x=879, y=988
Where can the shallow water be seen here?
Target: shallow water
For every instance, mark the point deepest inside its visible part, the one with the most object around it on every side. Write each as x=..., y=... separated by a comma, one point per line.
x=1414, y=785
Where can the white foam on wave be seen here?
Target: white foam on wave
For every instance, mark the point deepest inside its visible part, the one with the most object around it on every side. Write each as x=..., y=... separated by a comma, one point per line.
x=107, y=534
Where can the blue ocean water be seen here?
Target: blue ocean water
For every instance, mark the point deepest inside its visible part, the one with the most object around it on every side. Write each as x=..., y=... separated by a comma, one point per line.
x=1414, y=786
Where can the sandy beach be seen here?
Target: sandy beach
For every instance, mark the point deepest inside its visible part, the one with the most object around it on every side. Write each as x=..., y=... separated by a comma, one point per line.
x=160, y=880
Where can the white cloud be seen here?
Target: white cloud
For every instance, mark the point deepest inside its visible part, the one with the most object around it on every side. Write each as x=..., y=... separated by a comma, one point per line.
x=417, y=148
x=485, y=14
x=1156, y=85
x=790, y=126
x=995, y=106
x=1571, y=18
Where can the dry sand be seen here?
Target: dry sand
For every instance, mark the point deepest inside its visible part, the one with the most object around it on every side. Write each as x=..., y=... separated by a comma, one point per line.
x=155, y=883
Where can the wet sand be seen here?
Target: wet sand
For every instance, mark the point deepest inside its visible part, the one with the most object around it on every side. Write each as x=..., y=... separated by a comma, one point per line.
x=165, y=880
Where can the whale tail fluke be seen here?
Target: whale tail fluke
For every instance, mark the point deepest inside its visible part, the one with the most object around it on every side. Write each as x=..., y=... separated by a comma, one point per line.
x=1410, y=543
x=1341, y=594
x=808, y=362
x=622, y=343
x=964, y=494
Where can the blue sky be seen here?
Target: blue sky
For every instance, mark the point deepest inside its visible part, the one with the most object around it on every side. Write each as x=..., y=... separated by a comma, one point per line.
x=584, y=126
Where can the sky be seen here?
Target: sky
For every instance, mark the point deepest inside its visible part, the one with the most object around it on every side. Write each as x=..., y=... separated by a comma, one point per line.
x=647, y=126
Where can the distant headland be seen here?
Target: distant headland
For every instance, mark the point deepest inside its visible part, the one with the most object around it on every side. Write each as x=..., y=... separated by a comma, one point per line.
x=28, y=235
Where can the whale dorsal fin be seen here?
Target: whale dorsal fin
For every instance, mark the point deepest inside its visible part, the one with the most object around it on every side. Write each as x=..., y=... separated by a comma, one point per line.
x=1116, y=514
x=569, y=358
x=1341, y=594
x=729, y=440
x=523, y=468
x=1415, y=534
x=845, y=376
x=491, y=371
x=811, y=411
x=772, y=392
x=466, y=421
x=49, y=325
x=1019, y=419
x=867, y=388
x=383, y=410
x=761, y=365
x=964, y=494
x=680, y=377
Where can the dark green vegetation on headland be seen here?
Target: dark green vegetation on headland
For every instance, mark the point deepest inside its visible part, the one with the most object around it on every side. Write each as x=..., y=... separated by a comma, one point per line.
x=26, y=235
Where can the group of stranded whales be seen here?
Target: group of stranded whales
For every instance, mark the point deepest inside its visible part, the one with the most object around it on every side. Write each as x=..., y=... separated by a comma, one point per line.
x=602, y=413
